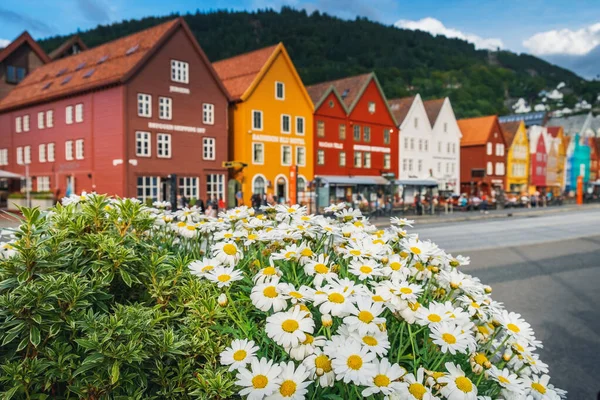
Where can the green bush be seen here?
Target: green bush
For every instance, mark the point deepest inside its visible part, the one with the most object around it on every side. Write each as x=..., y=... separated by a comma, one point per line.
x=16, y=195
x=92, y=306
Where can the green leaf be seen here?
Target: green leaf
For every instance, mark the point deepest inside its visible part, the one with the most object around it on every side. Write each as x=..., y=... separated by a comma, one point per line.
x=23, y=276
x=11, y=392
x=34, y=335
x=114, y=373
x=10, y=337
x=23, y=344
x=125, y=276
x=37, y=318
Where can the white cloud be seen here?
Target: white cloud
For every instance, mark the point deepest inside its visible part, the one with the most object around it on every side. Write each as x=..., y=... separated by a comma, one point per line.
x=4, y=42
x=564, y=41
x=436, y=27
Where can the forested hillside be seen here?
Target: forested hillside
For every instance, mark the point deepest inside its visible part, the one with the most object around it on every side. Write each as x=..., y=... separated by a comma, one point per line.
x=325, y=47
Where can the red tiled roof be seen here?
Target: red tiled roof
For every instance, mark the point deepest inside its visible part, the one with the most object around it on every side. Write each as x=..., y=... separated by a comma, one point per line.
x=509, y=130
x=24, y=38
x=400, y=107
x=239, y=72
x=433, y=108
x=84, y=70
x=475, y=131
x=348, y=88
x=58, y=52
x=553, y=130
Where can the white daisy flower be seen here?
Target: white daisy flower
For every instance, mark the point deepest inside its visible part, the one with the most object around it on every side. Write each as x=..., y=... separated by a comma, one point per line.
x=515, y=325
x=451, y=338
x=288, y=329
x=224, y=276
x=267, y=274
x=239, y=354
x=307, y=347
x=365, y=317
x=267, y=296
x=402, y=221
x=375, y=342
x=294, y=382
x=458, y=386
x=508, y=380
x=262, y=379
x=204, y=266
x=385, y=380
x=227, y=252
x=320, y=269
x=413, y=387
x=334, y=300
x=364, y=269
x=538, y=387
x=320, y=368
x=434, y=314
x=354, y=363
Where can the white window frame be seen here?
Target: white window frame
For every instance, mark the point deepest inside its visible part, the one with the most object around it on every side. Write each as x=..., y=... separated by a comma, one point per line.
x=298, y=163
x=490, y=168
x=144, y=105
x=215, y=186
x=42, y=152
x=367, y=161
x=209, y=148
x=154, y=184
x=19, y=155
x=18, y=124
x=27, y=155
x=489, y=148
x=208, y=114
x=357, y=159
x=50, y=152
x=3, y=156
x=289, y=128
x=254, y=127
x=387, y=161
x=26, y=123
x=41, y=120
x=43, y=183
x=320, y=128
x=420, y=166
x=163, y=140
x=180, y=71
x=165, y=108
x=298, y=131
x=49, y=118
x=69, y=115
x=79, y=149
x=371, y=107
x=189, y=186
x=283, y=147
x=79, y=112
x=342, y=159
x=262, y=147
x=143, y=137
x=277, y=83
x=320, y=157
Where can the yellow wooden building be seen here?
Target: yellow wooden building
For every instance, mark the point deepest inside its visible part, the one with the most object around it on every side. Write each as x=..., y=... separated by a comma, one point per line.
x=517, y=160
x=557, y=136
x=271, y=124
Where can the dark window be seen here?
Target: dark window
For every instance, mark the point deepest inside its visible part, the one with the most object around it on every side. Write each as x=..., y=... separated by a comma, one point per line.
x=477, y=173
x=132, y=49
x=15, y=74
x=89, y=73
x=80, y=66
x=104, y=58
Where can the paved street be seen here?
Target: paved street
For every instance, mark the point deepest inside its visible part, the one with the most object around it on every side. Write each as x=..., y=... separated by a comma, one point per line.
x=546, y=268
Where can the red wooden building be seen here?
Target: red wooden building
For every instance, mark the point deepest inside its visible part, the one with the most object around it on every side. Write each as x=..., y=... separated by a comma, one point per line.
x=482, y=155
x=538, y=163
x=356, y=141
x=120, y=118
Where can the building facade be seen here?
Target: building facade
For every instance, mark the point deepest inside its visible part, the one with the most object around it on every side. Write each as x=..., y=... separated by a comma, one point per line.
x=517, y=159
x=483, y=156
x=538, y=154
x=272, y=123
x=122, y=118
x=557, y=137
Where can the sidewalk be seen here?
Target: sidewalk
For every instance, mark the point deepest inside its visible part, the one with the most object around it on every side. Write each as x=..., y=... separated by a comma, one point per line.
x=461, y=216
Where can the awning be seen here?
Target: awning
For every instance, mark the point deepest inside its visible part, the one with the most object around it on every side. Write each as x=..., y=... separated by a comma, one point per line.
x=353, y=180
x=416, y=182
x=9, y=175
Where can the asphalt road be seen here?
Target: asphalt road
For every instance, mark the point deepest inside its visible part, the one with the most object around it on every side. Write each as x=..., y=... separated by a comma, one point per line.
x=547, y=269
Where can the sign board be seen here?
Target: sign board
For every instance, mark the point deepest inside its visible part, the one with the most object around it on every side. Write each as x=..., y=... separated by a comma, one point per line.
x=233, y=164
x=175, y=128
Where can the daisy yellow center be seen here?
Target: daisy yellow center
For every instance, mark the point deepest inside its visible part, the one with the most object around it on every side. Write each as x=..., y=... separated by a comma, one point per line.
x=291, y=210
x=239, y=355
x=181, y=224
x=269, y=271
x=290, y=325
x=355, y=252
x=358, y=224
x=323, y=362
x=207, y=268
x=538, y=387
x=378, y=241
x=415, y=250
x=336, y=298
x=419, y=266
x=270, y=292
x=354, y=362
x=463, y=384
x=513, y=328
x=395, y=266
x=229, y=249
x=309, y=339
x=518, y=347
x=381, y=381
x=449, y=338
x=406, y=290
x=321, y=269
x=480, y=358
x=252, y=236
x=377, y=298
x=434, y=318
x=296, y=295
x=305, y=218
x=414, y=306
x=287, y=388
x=289, y=254
x=260, y=381
x=191, y=227
x=502, y=379
x=307, y=252
x=370, y=341
x=365, y=269
x=304, y=308
x=224, y=278
x=228, y=235
x=474, y=305
x=365, y=316
x=417, y=390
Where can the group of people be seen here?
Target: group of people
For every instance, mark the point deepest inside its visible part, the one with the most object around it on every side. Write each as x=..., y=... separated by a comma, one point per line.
x=210, y=208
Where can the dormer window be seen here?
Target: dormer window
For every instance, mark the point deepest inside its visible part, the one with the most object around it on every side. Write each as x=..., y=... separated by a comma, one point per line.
x=371, y=107
x=132, y=50
x=279, y=91
x=15, y=74
x=416, y=122
x=179, y=71
x=345, y=94
x=61, y=72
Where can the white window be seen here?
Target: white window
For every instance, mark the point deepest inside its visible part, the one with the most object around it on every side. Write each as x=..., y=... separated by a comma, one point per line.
x=285, y=123
x=367, y=159
x=42, y=152
x=148, y=188
x=49, y=118
x=439, y=147
x=410, y=164
x=19, y=155
x=490, y=168
x=188, y=187
x=301, y=156
x=279, y=91
x=3, y=156
x=69, y=115
x=144, y=105
x=43, y=183
x=27, y=154
x=26, y=123
x=50, y=152
x=453, y=148
x=26, y=184
x=387, y=161
x=426, y=145
x=448, y=147
x=420, y=144
x=18, y=124
x=371, y=107
x=208, y=148
x=321, y=157
x=416, y=122
x=447, y=168
x=489, y=148
x=406, y=143
x=357, y=159
x=258, y=153
x=286, y=155
x=215, y=186
x=321, y=128
x=142, y=144
x=342, y=158
x=404, y=164
x=165, y=108
x=41, y=120
x=179, y=71
x=300, y=126
x=439, y=168
x=79, y=112
x=257, y=120
x=419, y=165
x=445, y=127
x=79, y=149
x=412, y=143
x=163, y=145
x=208, y=113
x=499, y=168
x=367, y=133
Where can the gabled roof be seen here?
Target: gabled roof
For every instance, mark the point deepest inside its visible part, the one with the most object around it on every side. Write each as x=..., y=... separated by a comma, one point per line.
x=63, y=48
x=433, y=108
x=476, y=131
x=509, y=130
x=318, y=96
x=111, y=63
x=401, y=107
x=554, y=130
x=349, y=89
x=24, y=37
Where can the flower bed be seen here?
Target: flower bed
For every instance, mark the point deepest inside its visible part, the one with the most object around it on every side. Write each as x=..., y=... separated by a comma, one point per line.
x=98, y=300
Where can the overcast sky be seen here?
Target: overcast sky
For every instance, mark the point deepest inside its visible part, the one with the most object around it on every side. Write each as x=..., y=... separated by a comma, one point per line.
x=563, y=32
